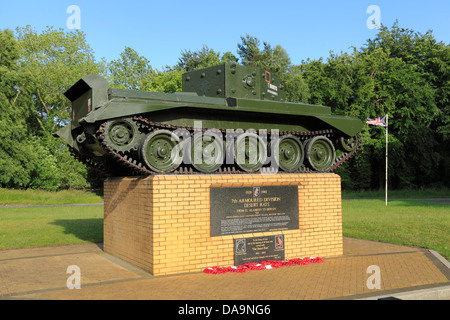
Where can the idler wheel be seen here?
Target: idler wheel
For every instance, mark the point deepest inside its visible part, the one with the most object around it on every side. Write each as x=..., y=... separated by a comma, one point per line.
x=289, y=153
x=250, y=152
x=348, y=144
x=207, y=152
x=161, y=151
x=320, y=153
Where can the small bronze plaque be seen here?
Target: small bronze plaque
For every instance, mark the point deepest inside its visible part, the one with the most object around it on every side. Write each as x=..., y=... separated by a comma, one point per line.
x=240, y=210
x=258, y=249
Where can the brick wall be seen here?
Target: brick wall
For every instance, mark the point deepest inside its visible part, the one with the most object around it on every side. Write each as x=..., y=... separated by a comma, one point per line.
x=162, y=223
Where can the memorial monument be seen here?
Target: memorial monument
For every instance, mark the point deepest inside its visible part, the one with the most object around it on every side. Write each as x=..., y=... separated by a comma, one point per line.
x=225, y=172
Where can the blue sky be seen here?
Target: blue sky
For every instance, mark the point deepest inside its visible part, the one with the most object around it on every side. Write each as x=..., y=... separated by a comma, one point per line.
x=161, y=30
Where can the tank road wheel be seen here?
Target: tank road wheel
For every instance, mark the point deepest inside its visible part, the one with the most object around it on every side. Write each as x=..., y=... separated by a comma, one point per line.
x=161, y=151
x=290, y=153
x=122, y=135
x=207, y=152
x=250, y=152
x=320, y=153
x=348, y=145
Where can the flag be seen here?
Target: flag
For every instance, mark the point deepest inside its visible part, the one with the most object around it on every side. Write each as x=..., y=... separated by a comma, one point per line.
x=380, y=121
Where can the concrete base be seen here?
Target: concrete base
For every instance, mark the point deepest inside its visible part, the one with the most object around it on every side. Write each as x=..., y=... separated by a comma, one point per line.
x=161, y=223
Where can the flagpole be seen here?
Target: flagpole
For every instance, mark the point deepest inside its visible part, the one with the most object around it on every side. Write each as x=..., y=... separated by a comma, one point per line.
x=382, y=121
x=386, y=186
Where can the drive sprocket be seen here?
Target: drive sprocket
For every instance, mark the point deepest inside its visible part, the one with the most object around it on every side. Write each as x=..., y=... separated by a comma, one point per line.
x=123, y=135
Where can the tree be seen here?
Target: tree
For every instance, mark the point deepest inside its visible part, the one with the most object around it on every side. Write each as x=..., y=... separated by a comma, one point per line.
x=15, y=169
x=228, y=57
x=131, y=71
x=170, y=79
x=398, y=73
x=295, y=87
x=24, y=161
x=56, y=60
x=45, y=66
x=276, y=59
x=166, y=81
x=194, y=60
x=417, y=84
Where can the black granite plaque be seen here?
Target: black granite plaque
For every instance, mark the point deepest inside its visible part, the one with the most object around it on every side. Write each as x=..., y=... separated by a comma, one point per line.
x=258, y=249
x=239, y=210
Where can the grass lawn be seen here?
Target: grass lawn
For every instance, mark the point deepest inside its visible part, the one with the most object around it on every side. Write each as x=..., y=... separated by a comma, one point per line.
x=40, y=197
x=417, y=223
x=409, y=222
x=46, y=226
x=397, y=194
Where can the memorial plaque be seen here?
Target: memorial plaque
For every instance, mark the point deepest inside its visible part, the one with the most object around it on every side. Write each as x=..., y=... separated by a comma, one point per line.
x=258, y=249
x=239, y=210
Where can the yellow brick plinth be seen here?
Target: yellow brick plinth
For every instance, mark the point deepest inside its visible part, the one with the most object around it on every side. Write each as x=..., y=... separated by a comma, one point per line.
x=161, y=223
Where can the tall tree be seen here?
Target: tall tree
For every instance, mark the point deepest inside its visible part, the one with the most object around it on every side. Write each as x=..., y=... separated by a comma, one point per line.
x=167, y=81
x=295, y=86
x=130, y=71
x=418, y=86
x=278, y=61
x=15, y=147
x=400, y=73
x=193, y=60
x=47, y=65
x=275, y=59
x=56, y=59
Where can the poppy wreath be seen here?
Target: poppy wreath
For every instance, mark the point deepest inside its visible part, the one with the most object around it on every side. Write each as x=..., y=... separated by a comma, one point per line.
x=269, y=264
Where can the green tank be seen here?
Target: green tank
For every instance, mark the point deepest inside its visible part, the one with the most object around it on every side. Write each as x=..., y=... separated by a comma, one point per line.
x=228, y=119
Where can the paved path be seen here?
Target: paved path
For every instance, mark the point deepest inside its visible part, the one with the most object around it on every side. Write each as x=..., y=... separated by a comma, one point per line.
x=41, y=273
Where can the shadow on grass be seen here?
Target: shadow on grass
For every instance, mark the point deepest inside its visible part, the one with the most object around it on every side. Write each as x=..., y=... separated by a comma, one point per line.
x=90, y=230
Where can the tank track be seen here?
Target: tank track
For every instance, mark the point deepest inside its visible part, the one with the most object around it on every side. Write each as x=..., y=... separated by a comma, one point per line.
x=88, y=162
x=137, y=167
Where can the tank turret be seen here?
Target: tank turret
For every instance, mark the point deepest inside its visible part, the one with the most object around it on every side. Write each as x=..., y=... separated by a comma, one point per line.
x=234, y=81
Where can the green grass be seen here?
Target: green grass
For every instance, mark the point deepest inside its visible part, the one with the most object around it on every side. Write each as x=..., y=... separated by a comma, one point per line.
x=47, y=226
x=39, y=197
x=397, y=194
x=410, y=222
x=417, y=223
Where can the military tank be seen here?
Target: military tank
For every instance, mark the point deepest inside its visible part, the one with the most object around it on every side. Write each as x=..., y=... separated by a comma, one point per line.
x=228, y=119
